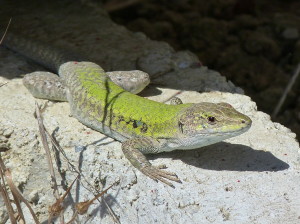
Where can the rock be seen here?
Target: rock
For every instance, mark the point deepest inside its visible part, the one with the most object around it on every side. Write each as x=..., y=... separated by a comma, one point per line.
x=257, y=43
x=290, y=33
x=287, y=25
x=263, y=162
x=246, y=21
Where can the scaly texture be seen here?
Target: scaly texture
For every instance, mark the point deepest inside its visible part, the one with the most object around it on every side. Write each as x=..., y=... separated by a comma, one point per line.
x=143, y=126
x=52, y=57
x=146, y=126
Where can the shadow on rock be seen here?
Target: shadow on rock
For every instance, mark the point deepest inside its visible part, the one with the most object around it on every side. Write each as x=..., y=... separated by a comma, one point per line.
x=226, y=156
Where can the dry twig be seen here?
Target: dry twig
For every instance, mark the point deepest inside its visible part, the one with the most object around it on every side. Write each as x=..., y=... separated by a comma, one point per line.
x=49, y=159
x=5, y=31
x=57, y=207
x=4, y=193
x=286, y=91
x=18, y=197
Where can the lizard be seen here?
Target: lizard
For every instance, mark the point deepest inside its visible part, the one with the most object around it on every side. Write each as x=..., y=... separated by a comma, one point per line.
x=141, y=125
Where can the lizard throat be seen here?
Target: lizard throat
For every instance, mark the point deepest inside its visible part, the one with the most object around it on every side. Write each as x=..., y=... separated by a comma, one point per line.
x=200, y=140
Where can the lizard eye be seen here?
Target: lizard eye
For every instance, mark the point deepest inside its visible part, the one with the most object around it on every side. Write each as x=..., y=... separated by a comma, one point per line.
x=211, y=120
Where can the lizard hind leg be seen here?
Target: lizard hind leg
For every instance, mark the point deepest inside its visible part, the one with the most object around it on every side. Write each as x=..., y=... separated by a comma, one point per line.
x=133, y=149
x=45, y=85
x=132, y=81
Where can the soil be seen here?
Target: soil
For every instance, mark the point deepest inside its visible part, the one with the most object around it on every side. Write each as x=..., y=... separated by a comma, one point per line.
x=253, y=43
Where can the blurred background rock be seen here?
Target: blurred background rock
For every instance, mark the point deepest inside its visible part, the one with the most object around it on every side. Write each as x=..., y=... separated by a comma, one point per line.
x=254, y=43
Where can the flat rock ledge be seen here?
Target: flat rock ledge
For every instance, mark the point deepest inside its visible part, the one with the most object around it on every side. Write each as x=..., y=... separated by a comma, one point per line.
x=252, y=178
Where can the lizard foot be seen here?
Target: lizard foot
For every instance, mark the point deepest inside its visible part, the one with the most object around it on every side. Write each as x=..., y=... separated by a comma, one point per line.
x=133, y=148
x=157, y=174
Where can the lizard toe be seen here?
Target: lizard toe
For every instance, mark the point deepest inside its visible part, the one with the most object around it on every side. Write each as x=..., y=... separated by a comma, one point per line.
x=161, y=175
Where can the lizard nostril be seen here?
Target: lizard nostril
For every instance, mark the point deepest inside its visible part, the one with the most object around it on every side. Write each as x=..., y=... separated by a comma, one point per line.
x=211, y=119
x=243, y=121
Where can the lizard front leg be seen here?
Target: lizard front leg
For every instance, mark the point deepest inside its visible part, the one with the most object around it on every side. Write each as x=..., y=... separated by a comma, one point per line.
x=45, y=85
x=132, y=81
x=133, y=150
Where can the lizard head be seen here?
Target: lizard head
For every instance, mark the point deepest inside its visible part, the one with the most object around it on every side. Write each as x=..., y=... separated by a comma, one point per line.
x=207, y=123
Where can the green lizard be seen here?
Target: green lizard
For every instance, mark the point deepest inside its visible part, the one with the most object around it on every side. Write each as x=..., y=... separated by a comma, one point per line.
x=142, y=125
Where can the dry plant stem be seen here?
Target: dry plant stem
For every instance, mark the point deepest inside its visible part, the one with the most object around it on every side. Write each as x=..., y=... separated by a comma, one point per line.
x=68, y=190
x=3, y=190
x=82, y=207
x=286, y=91
x=7, y=203
x=111, y=212
x=5, y=31
x=56, y=208
x=57, y=146
x=4, y=194
x=48, y=155
x=19, y=196
x=15, y=193
x=46, y=147
x=54, y=142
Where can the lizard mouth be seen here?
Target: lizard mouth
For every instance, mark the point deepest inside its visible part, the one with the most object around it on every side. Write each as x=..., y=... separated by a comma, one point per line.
x=220, y=134
x=232, y=130
x=228, y=133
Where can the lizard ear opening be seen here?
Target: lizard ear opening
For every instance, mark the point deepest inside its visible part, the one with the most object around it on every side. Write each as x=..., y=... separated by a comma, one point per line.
x=211, y=120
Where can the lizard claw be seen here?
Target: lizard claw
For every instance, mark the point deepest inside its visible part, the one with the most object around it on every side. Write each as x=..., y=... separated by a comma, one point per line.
x=157, y=174
x=133, y=149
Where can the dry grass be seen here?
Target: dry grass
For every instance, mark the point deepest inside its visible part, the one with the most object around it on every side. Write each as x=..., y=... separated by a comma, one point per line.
x=13, y=198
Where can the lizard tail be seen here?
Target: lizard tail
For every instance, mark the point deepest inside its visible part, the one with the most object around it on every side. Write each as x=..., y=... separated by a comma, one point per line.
x=48, y=56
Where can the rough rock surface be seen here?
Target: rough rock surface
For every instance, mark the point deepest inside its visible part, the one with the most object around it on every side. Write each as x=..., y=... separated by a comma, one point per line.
x=253, y=43
x=253, y=178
